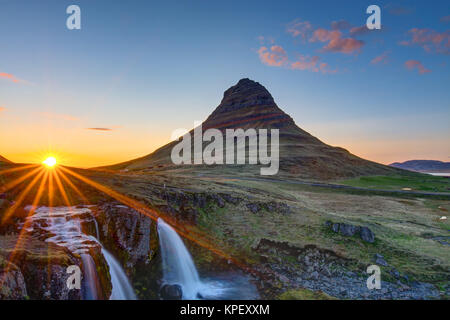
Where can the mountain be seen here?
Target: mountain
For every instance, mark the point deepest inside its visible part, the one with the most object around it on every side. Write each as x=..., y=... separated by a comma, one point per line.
x=423, y=165
x=248, y=104
x=4, y=160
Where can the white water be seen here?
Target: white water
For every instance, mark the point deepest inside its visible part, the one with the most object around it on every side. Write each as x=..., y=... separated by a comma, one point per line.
x=62, y=225
x=178, y=266
x=121, y=288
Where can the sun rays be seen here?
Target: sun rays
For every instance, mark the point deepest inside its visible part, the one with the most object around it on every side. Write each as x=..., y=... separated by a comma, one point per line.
x=58, y=182
x=50, y=162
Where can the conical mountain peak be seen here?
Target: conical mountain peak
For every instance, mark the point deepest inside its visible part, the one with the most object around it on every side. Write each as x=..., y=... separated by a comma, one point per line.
x=247, y=104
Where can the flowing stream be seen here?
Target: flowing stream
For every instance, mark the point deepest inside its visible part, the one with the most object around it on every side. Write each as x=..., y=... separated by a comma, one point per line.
x=62, y=226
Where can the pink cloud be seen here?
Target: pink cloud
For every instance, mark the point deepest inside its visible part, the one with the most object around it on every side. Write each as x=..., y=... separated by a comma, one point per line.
x=430, y=40
x=311, y=64
x=9, y=77
x=412, y=64
x=357, y=31
x=275, y=57
x=340, y=25
x=383, y=58
x=299, y=28
x=335, y=41
x=263, y=40
x=2, y=109
x=100, y=129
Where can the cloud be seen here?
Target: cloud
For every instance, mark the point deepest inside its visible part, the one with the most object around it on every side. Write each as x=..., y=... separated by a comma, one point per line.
x=445, y=19
x=357, y=31
x=9, y=77
x=311, y=64
x=382, y=58
x=430, y=40
x=412, y=64
x=340, y=25
x=2, y=109
x=299, y=28
x=100, y=129
x=335, y=41
x=263, y=40
x=275, y=57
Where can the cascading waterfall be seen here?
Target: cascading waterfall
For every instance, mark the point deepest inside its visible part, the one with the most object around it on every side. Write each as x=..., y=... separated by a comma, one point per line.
x=90, y=285
x=178, y=266
x=121, y=287
x=63, y=227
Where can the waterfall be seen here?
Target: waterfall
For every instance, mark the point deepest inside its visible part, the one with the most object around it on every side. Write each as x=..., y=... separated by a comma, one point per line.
x=178, y=266
x=121, y=287
x=90, y=285
x=62, y=226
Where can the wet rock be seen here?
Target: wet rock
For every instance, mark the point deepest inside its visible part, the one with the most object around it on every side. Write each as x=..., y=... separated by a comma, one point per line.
x=171, y=292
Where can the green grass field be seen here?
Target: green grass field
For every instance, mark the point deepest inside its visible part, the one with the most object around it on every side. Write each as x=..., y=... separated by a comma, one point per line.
x=422, y=182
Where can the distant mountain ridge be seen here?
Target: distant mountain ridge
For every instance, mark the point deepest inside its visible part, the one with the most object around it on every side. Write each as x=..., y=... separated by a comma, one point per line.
x=423, y=165
x=2, y=159
x=248, y=104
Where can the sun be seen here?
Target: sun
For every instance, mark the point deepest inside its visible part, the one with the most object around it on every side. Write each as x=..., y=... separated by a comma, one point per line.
x=49, y=162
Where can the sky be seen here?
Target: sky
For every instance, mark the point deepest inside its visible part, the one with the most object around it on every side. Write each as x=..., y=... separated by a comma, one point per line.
x=138, y=70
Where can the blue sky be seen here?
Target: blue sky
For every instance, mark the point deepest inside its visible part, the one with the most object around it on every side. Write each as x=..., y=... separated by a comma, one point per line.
x=146, y=68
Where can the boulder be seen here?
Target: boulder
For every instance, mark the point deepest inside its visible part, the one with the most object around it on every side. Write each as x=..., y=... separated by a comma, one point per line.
x=171, y=292
x=349, y=230
x=367, y=235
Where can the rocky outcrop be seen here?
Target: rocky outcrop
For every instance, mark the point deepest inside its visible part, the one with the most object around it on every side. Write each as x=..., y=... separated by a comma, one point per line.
x=350, y=230
x=130, y=235
x=12, y=282
x=38, y=269
x=186, y=205
x=286, y=267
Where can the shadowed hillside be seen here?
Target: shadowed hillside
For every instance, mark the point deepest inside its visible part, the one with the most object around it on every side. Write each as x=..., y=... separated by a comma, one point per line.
x=2, y=159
